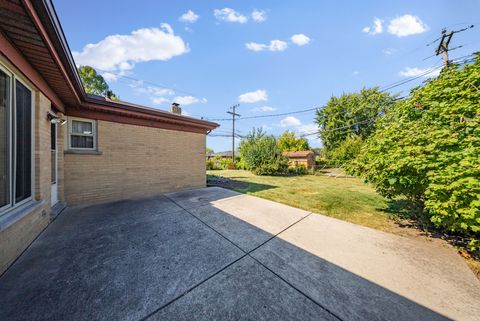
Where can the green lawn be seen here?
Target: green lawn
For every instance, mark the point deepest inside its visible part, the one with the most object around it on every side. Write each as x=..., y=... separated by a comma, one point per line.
x=347, y=199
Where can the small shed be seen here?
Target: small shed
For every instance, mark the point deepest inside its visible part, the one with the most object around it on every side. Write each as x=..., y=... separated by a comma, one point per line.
x=305, y=157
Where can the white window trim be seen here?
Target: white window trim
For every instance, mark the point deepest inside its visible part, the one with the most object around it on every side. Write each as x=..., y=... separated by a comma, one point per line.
x=12, y=100
x=93, y=135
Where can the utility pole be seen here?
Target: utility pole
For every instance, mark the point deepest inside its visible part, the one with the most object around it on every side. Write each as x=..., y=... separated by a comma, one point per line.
x=443, y=45
x=445, y=39
x=232, y=112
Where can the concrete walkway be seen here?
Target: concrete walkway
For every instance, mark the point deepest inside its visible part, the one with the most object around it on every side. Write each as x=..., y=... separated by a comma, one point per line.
x=212, y=254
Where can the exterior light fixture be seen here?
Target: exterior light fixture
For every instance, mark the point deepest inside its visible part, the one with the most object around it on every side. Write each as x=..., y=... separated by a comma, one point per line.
x=54, y=119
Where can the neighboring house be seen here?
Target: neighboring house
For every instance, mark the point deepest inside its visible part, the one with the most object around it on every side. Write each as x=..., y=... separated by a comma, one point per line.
x=227, y=154
x=60, y=146
x=306, y=158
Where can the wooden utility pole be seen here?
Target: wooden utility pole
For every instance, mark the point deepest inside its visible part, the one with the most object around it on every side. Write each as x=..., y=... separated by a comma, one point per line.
x=445, y=39
x=233, y=128
x=442, y=48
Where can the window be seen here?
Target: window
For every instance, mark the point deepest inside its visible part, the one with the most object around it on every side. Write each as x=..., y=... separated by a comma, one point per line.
x=81, y=134
x=16, y=171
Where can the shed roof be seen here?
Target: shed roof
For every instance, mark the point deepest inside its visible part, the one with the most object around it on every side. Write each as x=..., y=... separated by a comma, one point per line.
x=298, y=154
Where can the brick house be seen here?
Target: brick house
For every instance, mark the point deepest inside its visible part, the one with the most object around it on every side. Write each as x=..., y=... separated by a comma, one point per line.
x=306, y=158
x=59, y=145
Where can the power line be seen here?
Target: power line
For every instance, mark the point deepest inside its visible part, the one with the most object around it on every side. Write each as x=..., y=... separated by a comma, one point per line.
x=266, y=116
x=148, y=82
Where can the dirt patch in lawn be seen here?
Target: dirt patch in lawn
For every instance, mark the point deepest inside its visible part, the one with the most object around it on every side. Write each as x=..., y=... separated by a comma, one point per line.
x=225, y=182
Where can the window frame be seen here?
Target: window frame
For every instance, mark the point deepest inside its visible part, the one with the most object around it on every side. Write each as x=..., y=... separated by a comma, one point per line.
x=93, y=135
x=12, y=141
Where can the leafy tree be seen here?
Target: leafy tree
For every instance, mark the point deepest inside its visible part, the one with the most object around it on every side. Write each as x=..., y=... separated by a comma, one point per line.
x=427, y=148
x=287, y=142
x=347, y=151
x=261, y=155
x=94, y=83
x=351, y=114
x=208, y=150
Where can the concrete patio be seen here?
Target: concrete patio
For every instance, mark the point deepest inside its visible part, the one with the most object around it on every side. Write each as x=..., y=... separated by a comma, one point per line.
x=213, y=254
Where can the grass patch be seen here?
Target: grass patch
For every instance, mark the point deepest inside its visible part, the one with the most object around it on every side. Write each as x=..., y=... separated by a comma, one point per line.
x=348, y=199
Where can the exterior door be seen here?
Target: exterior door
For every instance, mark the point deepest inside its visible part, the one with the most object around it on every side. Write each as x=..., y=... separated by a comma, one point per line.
x=54, y=164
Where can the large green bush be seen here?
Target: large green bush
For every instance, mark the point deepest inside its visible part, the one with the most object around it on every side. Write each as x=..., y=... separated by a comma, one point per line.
x=428, y=149
x=344, y=153
x=261, y=155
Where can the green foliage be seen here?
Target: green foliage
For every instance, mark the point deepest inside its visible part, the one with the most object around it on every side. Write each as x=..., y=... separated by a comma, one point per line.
x=287, y=142
x=261, y=155
x=428, y=149
x=94, y=83
x=347, y=151
x=349, y=109
x=208, y=150
x=298, y=169
x=218, y=162
x=212, y=165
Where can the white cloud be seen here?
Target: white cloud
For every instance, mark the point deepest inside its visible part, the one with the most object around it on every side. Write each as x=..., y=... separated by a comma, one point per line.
x=307, y=128
x=356, y=72
x=253, y=96
x=377, y=27
x=310, y=131
x=389, y=51
x=300, y=39
x=406, y=25
x=189, y=17
x=275, y=45
x=263, y=109
x=157, y=95
x=159, y=100
x=414, y=72
x=188, y=100
x=119, y=53
x=229, y=15
x=290, y=121
x=259, y=15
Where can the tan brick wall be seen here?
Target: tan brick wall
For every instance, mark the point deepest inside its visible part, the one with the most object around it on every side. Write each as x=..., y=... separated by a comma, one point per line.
x=18, y=234
x=135, y=162
x=15, y=239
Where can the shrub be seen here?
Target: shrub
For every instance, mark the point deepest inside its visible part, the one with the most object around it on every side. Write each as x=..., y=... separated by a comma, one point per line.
x=347, y=151
x=261, y=154
x=428, y=149
x=298, y=170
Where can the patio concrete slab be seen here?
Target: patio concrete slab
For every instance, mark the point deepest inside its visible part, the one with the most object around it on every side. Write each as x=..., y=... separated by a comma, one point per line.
x=248, y=226
x=202, y=196
x=117, y=261
x=363, y=274
x=136, y=259
x=243, y=291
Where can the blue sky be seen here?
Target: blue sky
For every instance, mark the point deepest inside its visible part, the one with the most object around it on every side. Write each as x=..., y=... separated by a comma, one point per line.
x=282, y=56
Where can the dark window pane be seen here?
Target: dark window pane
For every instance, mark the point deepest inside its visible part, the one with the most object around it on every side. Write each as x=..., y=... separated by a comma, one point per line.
x=81, y=141
x=23, y=148
x=4, y=145
x=53, y=162
x=53, y=134
x=81, y=127
x=53, y=166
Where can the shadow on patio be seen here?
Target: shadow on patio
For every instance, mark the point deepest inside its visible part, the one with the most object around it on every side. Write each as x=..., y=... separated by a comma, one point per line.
x=203, y=255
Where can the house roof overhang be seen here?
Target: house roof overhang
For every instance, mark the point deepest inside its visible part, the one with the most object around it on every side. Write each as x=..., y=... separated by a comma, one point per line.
x=32, y=39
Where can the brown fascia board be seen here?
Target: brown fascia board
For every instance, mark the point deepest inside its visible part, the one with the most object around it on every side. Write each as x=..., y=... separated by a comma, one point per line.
x=47, y=14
